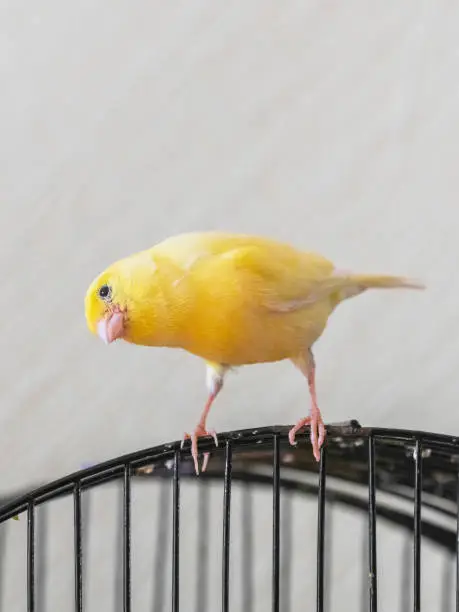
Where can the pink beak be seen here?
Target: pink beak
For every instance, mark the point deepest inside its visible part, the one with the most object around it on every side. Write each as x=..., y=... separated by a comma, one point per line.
x=111, y=327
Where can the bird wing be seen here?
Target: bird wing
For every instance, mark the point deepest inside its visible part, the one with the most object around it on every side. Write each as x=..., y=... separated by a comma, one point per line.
x=285, y=278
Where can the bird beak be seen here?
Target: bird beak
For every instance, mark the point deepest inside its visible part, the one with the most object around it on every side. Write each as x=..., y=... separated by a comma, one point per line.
x=111, y=327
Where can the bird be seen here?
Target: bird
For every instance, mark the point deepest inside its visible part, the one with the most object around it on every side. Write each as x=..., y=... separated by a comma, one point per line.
x=232, y=300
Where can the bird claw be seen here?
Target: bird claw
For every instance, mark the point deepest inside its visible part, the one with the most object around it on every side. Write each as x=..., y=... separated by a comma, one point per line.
x=317, y=432
x=292, y=433
x=199, y=432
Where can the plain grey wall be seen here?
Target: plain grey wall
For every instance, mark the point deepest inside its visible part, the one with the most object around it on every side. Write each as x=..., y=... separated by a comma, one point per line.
x=333, y=126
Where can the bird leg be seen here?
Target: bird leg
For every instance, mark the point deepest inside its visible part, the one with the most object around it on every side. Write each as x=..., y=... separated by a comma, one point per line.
x=215, y=384
x=314, y=420
x=199, y=432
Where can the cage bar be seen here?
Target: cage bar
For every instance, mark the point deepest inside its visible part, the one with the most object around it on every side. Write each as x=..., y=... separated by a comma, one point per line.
x=127, y=539
x=78, y=548
x=457, y=542
x=365, y=457
x=176, y=532
x=226, y=526
x=372, y=570
x=276, y=524
x=417, y=526
x=31, y=557
x=321, y=530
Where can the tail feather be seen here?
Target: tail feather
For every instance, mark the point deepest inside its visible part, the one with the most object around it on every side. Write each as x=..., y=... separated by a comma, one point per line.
x=345, y=285
x=380, y=281
x=349, y=285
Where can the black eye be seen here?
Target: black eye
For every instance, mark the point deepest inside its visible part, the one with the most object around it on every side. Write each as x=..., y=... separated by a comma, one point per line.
x=105, y=292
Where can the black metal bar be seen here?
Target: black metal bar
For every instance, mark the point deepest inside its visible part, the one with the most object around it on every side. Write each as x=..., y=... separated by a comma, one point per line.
x=321, y=530
x=127, y=539
x=31, y=557
x=226, y=527
x=372, y=570
x=3, y=558
x=158, y=455
x=420, y=527
x=417, y=526
x=78, y=548
x=176, y=533
x=276, y=525
x=437, y=534
x=457, y=543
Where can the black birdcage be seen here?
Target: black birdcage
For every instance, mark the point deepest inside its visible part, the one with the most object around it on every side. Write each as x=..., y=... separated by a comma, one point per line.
x=404, y=479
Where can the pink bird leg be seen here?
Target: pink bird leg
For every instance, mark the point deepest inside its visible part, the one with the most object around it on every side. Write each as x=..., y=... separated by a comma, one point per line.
x=201, y=431
x=314, y=420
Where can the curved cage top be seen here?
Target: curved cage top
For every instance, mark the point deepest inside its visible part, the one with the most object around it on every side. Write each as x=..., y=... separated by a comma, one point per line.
x=347, y=459
x=356, y=462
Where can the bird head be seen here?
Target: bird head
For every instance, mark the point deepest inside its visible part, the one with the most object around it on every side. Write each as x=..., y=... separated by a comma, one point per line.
x=106, y=306
x=127, y=301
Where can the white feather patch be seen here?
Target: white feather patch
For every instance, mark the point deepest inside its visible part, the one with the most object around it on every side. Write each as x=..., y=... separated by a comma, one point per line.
x=214, y=378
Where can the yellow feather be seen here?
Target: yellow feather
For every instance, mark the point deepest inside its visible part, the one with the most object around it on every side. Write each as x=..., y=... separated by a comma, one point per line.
x=230, y=299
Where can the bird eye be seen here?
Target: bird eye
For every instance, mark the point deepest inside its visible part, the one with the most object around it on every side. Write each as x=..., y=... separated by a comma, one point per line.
x=105, y=292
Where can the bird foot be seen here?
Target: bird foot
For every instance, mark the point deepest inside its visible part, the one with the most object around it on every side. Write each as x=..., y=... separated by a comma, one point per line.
x=199, y=432
x=317, y=434
x=299, y=425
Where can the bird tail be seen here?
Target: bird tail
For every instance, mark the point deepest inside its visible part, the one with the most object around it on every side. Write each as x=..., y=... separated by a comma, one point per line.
x=349, y=285
x=342, y=285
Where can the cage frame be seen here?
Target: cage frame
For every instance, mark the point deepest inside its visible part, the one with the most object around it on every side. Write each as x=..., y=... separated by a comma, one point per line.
x=268, y=446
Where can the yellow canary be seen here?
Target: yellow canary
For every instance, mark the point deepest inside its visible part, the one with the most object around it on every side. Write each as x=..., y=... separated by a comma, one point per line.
x=230, y=299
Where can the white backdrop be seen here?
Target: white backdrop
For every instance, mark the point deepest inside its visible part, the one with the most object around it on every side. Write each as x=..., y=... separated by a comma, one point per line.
x=334, y=126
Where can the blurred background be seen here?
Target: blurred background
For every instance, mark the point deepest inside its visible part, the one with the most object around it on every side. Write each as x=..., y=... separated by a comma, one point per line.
x=334, y=126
